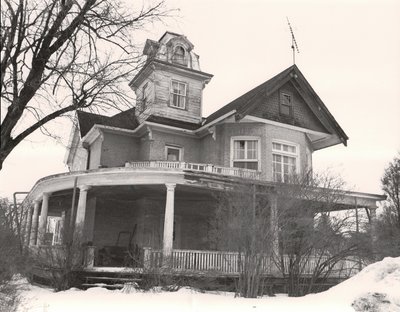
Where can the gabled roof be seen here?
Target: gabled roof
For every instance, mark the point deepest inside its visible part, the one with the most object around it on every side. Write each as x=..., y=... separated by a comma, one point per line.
x=243, y=104
x=124, y=120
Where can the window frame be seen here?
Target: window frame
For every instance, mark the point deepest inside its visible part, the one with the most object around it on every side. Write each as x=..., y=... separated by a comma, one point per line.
x=282, y=95
x=144, y=96
x=175, y=147
x=245, y=138
x=282, y=153
x=182, y=59
x=172, y=93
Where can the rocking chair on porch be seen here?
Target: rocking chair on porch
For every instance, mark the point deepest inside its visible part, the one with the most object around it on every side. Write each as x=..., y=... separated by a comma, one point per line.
x=125, y=256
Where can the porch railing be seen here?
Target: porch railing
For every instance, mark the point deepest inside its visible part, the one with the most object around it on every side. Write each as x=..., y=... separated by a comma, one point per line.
x=209, y=168
x=228, y=263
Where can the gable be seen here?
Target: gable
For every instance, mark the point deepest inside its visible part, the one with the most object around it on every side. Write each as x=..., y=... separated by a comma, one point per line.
x=267, y=107
x=311, y=112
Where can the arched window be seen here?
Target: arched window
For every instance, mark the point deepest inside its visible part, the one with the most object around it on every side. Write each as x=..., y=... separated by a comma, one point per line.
x=179, y=56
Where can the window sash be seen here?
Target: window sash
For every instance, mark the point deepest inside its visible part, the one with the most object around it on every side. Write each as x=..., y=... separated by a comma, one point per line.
x=283, y=167
x=178, y=94
x=284, y=161
x=245, y=154
x=245, y=150
x=286, y=104
x=284, y=148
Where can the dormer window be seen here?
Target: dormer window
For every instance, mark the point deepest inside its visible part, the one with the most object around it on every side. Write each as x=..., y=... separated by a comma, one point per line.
x=179, y=56
x=286, y=107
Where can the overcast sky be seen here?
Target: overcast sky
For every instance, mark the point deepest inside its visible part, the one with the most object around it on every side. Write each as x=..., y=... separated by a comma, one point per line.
x=349, y=53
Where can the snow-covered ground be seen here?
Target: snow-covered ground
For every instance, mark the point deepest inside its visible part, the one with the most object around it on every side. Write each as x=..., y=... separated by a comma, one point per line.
x=376, y=288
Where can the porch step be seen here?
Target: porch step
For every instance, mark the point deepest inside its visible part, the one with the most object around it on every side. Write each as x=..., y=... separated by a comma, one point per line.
x=109, y=282
x=108, y=286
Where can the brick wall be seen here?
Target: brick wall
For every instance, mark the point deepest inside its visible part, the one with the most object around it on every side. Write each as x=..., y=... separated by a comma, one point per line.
x=191, y=146
x=118, y=149
x=218, y=151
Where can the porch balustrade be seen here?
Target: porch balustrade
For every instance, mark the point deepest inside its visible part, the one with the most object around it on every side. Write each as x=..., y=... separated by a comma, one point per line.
x=228, y=263
x=198, y=262
x=209, y=168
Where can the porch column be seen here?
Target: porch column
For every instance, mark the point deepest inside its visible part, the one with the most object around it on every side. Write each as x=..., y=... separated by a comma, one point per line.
x=62, y=227
x=35, y=222
x=81, y=210
x=169, y=222
x=28, y=227
x=43, y=218
x=274, y=224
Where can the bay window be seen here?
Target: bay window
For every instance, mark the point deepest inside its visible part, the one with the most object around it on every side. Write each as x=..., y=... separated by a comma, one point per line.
x=284, y=161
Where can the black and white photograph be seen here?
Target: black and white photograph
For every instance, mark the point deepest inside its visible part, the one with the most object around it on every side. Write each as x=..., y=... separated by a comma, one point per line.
x=200, y=155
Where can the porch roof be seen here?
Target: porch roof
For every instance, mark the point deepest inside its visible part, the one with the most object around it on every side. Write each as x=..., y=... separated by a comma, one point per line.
x=147, y=173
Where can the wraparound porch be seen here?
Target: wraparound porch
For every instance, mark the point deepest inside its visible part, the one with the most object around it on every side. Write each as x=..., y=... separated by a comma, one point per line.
x=169, y=206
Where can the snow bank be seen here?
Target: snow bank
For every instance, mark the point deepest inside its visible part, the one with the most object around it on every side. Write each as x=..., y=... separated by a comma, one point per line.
x=376, y=288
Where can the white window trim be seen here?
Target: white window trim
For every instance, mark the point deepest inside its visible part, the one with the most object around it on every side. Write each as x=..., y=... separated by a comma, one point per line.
x=246, y=138
x=171, y=104
x=283, y=153
x=172, y=146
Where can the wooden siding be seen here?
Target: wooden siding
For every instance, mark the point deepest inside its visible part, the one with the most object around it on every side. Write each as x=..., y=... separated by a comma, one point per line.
x=161, y=105
x=268, y=107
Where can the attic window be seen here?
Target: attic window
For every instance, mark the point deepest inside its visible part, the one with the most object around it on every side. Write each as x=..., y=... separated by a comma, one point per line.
x=179, y=56
x=286, y=107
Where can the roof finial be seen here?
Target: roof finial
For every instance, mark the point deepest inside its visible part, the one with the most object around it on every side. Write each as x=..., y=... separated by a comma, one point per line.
x=294, y=43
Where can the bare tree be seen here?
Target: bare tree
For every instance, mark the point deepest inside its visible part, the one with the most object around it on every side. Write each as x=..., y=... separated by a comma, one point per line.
x=314, y=240
x=391, y=186
x=58, y=56
x=388, y=222
x=242, y=224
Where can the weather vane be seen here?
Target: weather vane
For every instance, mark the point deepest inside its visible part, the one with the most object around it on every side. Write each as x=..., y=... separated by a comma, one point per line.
x=294, y=43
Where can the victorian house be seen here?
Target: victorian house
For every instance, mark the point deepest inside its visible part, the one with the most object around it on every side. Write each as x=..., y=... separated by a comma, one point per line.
x=144, y=178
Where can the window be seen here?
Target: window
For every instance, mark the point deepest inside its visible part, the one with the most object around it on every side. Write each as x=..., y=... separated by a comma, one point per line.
x=178, y=94
x=179, y=56
x=245, y=153
x=286, y=104
x=144, y=97
x=173, y=153
x=284, y=161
